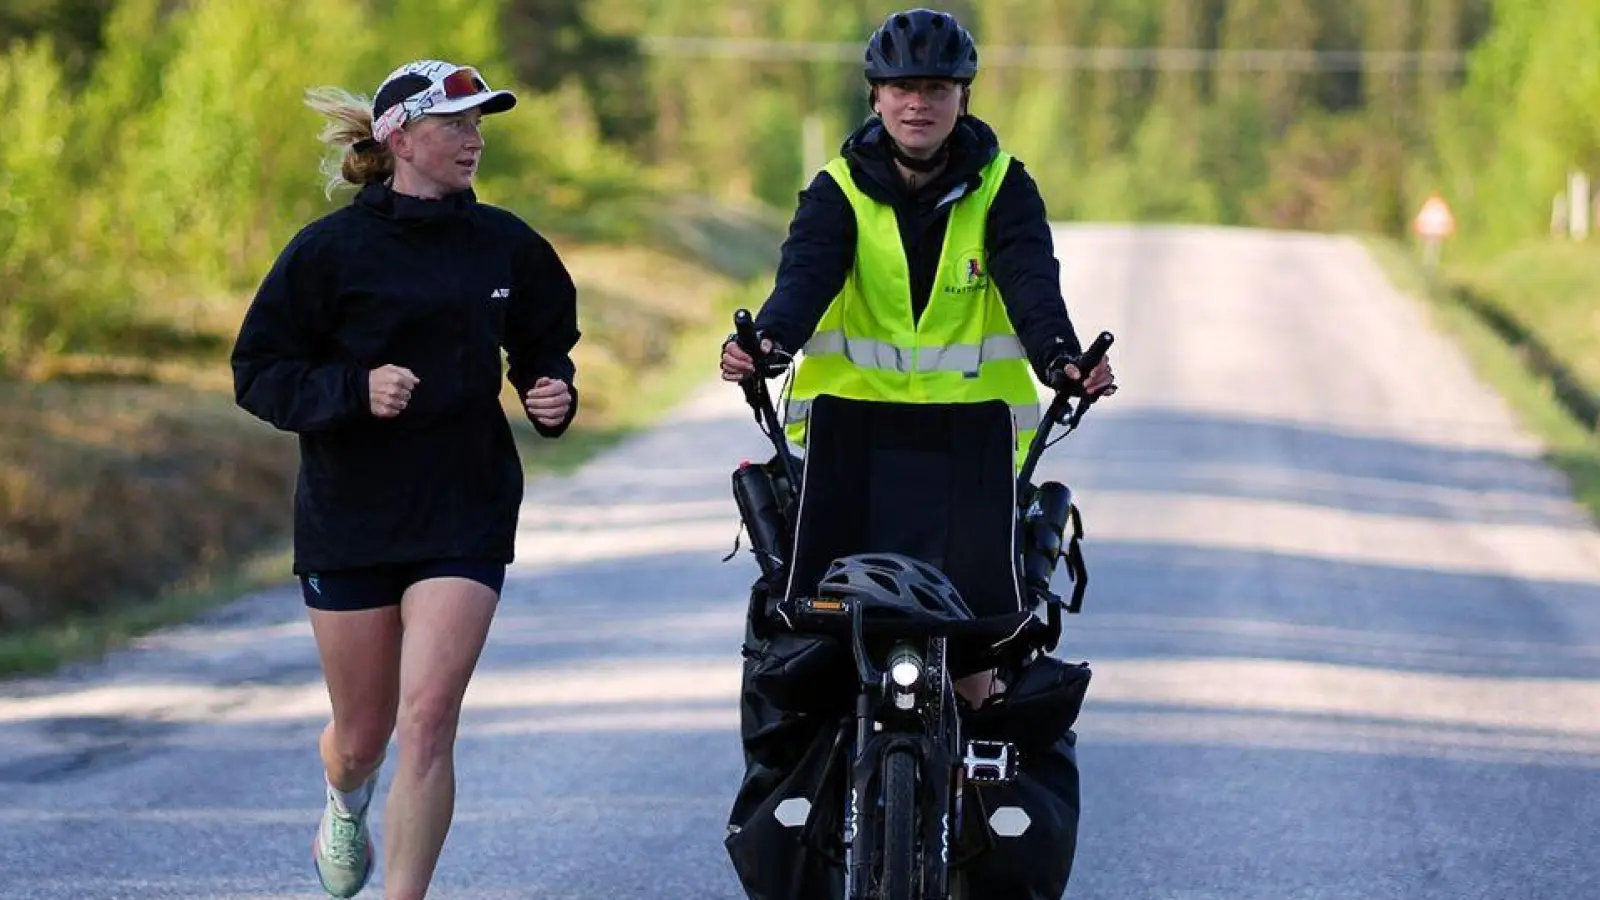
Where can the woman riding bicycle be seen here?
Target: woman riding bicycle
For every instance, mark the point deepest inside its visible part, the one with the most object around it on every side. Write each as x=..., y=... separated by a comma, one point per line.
x=919, y=267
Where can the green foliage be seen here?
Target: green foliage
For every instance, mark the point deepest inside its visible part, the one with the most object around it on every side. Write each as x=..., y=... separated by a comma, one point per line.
x=155, y=190
x=158, y=154
x=1553, y=290
x=33, y=179
x=1317, y=176
x=550, y=43
x=73, y=27
x=1528, y=114
x=1210, y=142
x=777, y=170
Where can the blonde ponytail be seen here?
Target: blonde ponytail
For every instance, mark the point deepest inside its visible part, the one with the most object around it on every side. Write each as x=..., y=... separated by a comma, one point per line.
x=358, y=158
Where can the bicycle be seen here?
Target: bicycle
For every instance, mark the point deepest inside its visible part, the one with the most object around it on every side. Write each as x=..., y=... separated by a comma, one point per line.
x=907, y=755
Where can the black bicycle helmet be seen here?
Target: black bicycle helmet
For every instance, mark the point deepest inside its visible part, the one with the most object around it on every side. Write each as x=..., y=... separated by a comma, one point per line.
x=894, y=581
x=921, y=43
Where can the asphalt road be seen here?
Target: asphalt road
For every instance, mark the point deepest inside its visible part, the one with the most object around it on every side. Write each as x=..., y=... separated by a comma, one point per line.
x=1345, y=629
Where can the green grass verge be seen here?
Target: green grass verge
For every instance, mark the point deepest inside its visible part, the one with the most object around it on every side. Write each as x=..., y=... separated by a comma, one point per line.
x=1480, y=305
x=1551, y=288
x=88, y=636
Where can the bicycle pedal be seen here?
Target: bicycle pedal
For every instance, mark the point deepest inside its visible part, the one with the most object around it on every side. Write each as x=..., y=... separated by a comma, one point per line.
x=990, y=762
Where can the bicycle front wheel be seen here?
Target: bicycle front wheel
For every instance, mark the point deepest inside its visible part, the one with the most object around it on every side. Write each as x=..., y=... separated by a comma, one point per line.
x=900, y=869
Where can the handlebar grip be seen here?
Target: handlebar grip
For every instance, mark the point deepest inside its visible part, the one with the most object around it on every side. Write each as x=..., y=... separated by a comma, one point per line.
x=1096, y=352
x=744, y=328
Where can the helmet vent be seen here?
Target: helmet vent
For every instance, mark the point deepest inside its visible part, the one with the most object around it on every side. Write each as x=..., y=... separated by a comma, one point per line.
x=881, y=580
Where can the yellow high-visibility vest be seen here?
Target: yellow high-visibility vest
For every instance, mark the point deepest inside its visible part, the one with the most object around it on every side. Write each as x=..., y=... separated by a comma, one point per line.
x=867, y=345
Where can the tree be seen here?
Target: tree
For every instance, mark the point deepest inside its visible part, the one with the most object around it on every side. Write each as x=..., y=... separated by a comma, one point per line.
x=73, y=27
x=548, y=41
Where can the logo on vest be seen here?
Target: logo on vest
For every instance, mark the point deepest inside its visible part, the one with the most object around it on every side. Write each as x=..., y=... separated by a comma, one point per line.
x=971, y=278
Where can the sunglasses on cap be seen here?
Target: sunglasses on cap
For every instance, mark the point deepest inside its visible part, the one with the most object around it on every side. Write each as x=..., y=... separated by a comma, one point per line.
x=463, y=82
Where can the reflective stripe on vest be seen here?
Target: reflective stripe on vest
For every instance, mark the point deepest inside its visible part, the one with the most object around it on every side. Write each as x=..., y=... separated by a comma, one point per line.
x=1027, y=416
x=874, y=354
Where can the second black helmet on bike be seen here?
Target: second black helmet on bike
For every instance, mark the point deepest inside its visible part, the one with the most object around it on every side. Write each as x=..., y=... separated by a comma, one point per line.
x=894, y=583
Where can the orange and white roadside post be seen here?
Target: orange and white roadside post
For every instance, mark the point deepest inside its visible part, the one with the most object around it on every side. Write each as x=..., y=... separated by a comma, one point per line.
x=1433, y=224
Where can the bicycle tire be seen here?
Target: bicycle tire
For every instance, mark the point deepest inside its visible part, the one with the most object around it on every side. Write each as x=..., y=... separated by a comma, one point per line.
x=900, y=832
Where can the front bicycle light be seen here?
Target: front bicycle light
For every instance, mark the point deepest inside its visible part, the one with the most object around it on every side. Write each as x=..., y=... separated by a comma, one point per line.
x=905, y=670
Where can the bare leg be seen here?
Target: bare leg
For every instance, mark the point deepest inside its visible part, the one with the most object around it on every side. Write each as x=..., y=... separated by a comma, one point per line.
x=360, y=654
x=446, y=623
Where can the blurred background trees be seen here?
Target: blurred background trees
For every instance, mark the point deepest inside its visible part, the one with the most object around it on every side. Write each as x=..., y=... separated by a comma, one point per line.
x=156, y=154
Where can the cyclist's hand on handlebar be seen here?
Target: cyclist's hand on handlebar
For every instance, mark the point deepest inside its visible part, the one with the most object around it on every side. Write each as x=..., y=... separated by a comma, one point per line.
x=1100, y=383
x=737, y=364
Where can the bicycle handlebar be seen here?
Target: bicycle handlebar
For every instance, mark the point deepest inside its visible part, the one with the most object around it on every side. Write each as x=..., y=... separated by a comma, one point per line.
x=744, y=329
x=755, y=390
x=1094, y=355
x=1060, y=405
